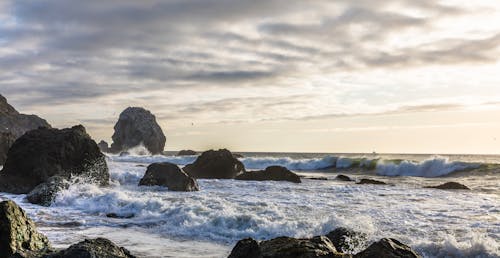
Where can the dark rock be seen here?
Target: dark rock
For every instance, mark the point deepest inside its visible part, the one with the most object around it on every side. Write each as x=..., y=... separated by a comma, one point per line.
x=237, y=155
x=120, y=216
x=45, y=193
x=124, y=153
x=272, y=173
x=215, y=164
x=93, y=248
x=43, y=153
x=343, y=178
x=370, y=181
x=18, y=233
x=187, y=153
x=137, y=126
x=320, y=178
x=388, y=248
x=347, y=240
x=450, y=186
x=246, y=248
x=13, y=125
x=169, y=175
x=103, y=146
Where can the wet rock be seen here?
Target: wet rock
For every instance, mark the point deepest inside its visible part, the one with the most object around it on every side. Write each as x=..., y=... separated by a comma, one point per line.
x=343, y=178
x=43, y=153
x=6, y=140
x=219, y=164
x=45, y=193
x=346, y=240
x=271, y=173
x=237, y=155
x=169, y=175
x=137, y=126
x=103, y=146
x=388, y=248
x=187, y=153
x=18, y=234
x=450, y=186
x=319, y=178
x=120, y=216
x=93, y=248
x=246, y=248
x=370, y=181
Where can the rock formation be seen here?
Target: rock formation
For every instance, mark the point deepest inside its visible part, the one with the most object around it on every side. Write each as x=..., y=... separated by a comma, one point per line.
x=365, y=181
x=169, y=175
x=343, y=178
x=450, y=186
x=187, y=153
x=388, y=248
x=271, y=173
x=90, y=248
x=137, y=126
x=347, y=240
x=103, y=146
x=220, y=164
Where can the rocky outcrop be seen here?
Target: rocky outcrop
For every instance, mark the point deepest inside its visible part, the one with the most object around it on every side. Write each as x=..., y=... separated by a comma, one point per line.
x=370, y=182
x=347, y=240
x=93, y=248
x=137, y=126
x=169, y=175
x=41, y=154
x=13, y=125
x=272, y=173
x=18, y=233
x=343, y=178
x=45, y=193
x=220, y=164
x=103, y=146
x=450, y=186
x=187, y=153
x=282, y=247
x=388, y=248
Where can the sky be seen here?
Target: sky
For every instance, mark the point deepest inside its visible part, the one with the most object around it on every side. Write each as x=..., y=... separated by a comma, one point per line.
x=394, y=76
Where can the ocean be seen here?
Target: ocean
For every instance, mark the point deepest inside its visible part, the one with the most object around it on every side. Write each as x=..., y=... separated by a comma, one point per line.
x=155, y=222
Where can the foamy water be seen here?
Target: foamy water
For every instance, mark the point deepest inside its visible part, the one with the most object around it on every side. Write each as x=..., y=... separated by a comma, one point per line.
x=208, y=223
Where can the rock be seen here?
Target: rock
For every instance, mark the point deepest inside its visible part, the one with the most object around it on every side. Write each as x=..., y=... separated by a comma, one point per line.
x=388, y=248
x=18, y=233
x=370, y=181
x=124, y=154
x=218, y=164
x=347, y=240
x=137, y=126
x=43, y=153
x=319, y=178
x=120, y=216
x=187, y=153
x=45, y=193
x=103, y=146
x=272, y=173
x=13, y=125
x=237, y=155
x=450, y=186
x=343, y=178
x=169, y=175
x=93, y=248
x=285, y=247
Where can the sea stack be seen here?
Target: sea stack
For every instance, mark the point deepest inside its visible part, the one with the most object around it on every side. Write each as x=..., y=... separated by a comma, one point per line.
x=137, y=126
x=13, y=125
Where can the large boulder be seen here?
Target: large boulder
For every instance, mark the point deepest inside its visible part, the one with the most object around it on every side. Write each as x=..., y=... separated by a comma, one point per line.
x=388, y=248
x=219, y=164
x=187, y=153
x=18, y=233
x=13, y=125
x=93, y=248
x=347, y=240
x=137, y=126
x=169, y=175
x=450, y=186
x=43, y=153
x=271, y=173
x=285, y=247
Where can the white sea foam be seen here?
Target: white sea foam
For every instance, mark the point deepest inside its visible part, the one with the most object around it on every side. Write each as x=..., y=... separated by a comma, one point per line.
x=292, y=164
x=433, y=167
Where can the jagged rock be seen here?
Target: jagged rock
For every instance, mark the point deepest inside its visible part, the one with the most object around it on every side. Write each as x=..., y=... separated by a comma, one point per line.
x=187, y=153
x=137, y=126
x=13, y=125
x=169, y=175
x=45, y=193
x=451, y=186
x=370, y=181
x=219, y=164
x=285, y=247
x=43, y=153
x=343, y=178
x=347, y=240
x=271, y=173
x=103, y=146
x=18, y=233
x=388, y=248
x=93, y=248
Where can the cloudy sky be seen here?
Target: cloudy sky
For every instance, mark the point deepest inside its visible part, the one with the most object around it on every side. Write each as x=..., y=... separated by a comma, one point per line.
x=264, y=75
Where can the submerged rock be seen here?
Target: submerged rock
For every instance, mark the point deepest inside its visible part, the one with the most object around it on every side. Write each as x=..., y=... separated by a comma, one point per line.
x=169, y=175
x=347, y=240
x=187, y=153
x=388, y=248
x=93, y=248
x=137, y=126
x=18, y=234
x=344, y=178
x=271, y=173
x=220, y=164
x=43, y=153
x=45, y=193
x=450, y=186
x=370, y=181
